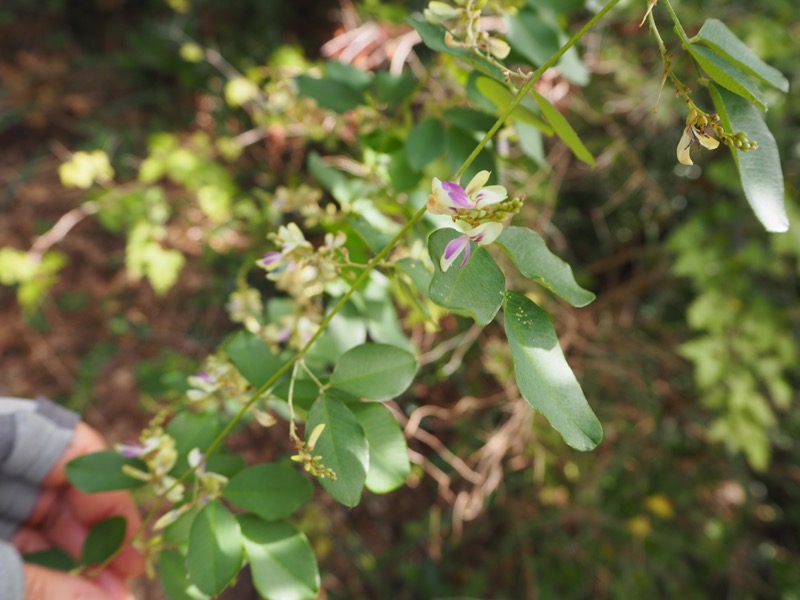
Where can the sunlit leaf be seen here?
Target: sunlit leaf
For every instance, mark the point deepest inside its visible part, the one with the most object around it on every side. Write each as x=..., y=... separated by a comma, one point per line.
x=716, y=35
x=215, y=548
x=760, y=170
x=282, y=562
x=374, y=371
x=543, y=376
x=535, y=261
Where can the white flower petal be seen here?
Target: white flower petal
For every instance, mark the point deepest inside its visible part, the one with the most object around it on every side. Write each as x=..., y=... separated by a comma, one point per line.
x=687, y=139
x=705, y=140
x=480, y=179
x=485, y=233
x=489, y=195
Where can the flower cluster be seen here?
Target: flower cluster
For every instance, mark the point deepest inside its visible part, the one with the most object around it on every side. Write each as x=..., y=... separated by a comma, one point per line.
x=477, y=210
x=219, y=382
x=156, y=449
x=312, y=463
x=301, y=271
x=463, y=21
x=699, y=127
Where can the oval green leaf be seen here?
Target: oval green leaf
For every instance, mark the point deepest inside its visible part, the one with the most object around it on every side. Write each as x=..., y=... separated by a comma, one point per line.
x=535, y=262
x=425, y=143
x=389, y=466
x=716, y=35
x=374, y=371
x=759, y=170
x=102, y=472
x=271, y=491
x=343, y=448
x=103, y=540
x=563, y=129
x=252, y=357
x=282, y=562
x=174, y=578
x=53, y=558
x=543, y=376
x=330, y=93
x=476, y=288
x=215, y=548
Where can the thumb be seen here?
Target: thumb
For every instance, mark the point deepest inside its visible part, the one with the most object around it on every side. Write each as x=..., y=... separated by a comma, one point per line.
x=44, y=584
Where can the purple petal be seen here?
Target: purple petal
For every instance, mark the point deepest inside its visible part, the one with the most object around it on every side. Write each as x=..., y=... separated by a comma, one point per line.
x=452, y=250
x=457, y=194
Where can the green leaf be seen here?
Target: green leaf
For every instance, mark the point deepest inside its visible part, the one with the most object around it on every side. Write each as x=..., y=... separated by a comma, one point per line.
x=563, y=129
x=391, y=89
x=476, y=288
x=530, y=141
x=102, y=472
x=536, y=35
x=272, y=491
x=417, y=272
x=727, y=75
x=175, y=579
x=253, y=357
x=351, y=75
x=374, y=371
x=103, y=540
x=760, y=170
x=53, y=558
x=433, y=37
x=502, y=98
x=425, y=143
x=531, y=37
x=343, y=448
x=215, y=548
x=535, y=261
x=716, y=35
x=543, y=376
x=469, y=118
x=193, y=430
x=282, y=562
x=389, y=466
x=329, y=93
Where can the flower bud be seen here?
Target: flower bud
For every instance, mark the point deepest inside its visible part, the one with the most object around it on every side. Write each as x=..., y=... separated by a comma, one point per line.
x=439, y=12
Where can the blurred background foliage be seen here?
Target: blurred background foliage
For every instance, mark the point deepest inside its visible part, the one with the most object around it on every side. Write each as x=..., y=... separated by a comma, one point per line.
x=689, y=355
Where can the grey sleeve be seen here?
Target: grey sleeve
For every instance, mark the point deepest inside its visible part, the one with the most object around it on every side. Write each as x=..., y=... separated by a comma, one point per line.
x=33, y=434
x=12, y=581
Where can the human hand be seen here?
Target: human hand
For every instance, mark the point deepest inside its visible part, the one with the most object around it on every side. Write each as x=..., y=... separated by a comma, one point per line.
x=62, y=518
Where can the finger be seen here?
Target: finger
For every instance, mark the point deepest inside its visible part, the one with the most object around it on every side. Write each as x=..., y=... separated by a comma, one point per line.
x=44, y=584
x=114, y=585
x=85, y=440
x=29, y=540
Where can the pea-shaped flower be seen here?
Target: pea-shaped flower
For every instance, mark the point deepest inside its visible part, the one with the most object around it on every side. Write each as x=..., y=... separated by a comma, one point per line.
x=483, y=235
x=694, y=133
x=449, y=198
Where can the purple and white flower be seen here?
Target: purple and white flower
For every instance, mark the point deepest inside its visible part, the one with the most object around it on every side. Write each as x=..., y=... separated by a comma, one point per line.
x=449, y=198
x=483, y=235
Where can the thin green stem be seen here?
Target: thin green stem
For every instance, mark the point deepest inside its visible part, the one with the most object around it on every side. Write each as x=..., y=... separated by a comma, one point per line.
x=528, y=86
